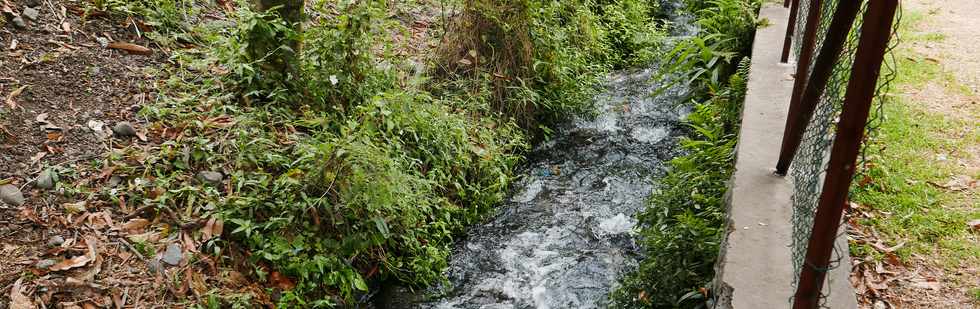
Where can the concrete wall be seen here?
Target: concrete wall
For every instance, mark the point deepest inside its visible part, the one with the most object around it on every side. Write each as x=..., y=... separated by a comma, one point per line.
x=755, y=269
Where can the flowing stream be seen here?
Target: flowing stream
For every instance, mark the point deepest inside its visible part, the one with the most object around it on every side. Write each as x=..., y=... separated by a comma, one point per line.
x=565, y=236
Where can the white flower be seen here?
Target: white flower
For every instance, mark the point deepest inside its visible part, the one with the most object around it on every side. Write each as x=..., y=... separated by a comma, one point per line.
x=333, y=79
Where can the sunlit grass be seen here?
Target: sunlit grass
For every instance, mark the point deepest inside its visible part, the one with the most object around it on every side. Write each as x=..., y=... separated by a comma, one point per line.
x=913, y=155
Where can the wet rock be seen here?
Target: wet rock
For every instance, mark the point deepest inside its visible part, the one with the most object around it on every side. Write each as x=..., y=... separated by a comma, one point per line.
x=124, y=129
x=47, y=179
x=11, y=195
x=173, y=255
x=44, y=264
x=19, y=22
x=210, y=177
x=56, y=241
x=30, y=13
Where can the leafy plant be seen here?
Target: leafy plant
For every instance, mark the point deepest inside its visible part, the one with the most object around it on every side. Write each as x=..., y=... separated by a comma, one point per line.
x=347, y=180
x=542, y=60
x=339, y=171
x=631, y=29
x=166, y=19
x=683, y=225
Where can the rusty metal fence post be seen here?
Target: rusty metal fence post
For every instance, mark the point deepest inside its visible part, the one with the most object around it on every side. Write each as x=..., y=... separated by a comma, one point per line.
x=790, y=27
x=802, y=109
x=794, y=124
x=872, y=46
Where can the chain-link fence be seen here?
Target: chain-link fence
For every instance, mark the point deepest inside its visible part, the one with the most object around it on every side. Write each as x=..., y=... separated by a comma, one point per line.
x=810, y=163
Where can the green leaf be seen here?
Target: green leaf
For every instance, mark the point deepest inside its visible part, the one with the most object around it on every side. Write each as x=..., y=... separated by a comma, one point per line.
x=359, y=283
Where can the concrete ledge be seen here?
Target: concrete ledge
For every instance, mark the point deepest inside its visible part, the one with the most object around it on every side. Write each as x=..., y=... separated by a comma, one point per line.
x=755, y=268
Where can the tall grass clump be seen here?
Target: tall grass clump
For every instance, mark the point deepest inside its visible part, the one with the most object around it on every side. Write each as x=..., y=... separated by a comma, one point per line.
x=683, y=225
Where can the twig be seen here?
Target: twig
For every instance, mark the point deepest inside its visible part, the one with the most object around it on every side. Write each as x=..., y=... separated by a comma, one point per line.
x=123, y=241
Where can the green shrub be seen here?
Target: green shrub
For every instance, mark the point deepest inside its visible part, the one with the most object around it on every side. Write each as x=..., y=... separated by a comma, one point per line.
x=543, y=60
x=632, y=30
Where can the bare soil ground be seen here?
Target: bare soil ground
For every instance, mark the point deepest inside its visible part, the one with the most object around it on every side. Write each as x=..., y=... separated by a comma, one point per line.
x=69, y=77
x=63, y=86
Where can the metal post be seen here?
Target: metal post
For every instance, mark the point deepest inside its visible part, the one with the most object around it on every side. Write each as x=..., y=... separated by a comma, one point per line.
x=790, y=28
x=875, y=33
x=794, y=123
x=816, y=82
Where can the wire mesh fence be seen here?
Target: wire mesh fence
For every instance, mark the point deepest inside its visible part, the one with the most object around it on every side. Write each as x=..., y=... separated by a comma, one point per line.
x=810, y=163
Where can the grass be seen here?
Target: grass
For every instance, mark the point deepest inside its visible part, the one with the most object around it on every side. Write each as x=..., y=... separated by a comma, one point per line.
x=907, y=167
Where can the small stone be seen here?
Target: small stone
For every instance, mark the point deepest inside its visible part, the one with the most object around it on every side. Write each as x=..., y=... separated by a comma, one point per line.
x=114, y=181
x=44, y=264
x=210, y=177
x=104, y=42
x=75, y=208
x=30, y=13
x=124, y=129
x=10, y=194
x=47, y=179
x=19, y=22
x=56, y=241
x=154, y=266
x=173, y=255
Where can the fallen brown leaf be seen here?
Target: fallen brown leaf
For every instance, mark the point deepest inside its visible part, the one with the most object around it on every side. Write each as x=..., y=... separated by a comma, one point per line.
x=8, y=8
x=281, y=281
x=927, y=284
x=117, y=300
x=38, y=156
x=131, y=48
x=54, y=136
x=13, y=95
x=74, y=262
x=881, y=247
x=17, y=298
x=134, y=225
x=213, y=228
